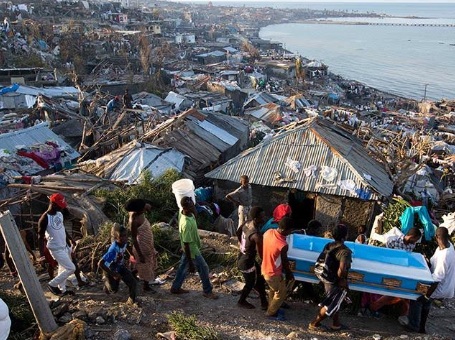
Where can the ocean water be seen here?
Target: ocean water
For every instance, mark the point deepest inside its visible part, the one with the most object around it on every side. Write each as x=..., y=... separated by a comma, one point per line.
x=403, y=60
x=410, y=61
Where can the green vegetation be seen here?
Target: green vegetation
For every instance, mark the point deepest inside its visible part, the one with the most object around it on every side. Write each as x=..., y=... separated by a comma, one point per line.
x=158, y=191
x=186, y=327
x=393, y=212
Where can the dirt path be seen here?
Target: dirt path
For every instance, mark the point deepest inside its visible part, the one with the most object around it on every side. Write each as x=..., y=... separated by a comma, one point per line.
x=149, y=317
x=108, y=314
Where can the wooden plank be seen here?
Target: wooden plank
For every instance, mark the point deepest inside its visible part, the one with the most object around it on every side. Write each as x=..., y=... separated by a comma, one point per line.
x=27, y=274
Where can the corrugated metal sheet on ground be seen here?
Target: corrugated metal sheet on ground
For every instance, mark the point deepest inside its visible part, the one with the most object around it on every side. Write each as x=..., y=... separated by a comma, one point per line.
x=33, y=135
x=315, y=143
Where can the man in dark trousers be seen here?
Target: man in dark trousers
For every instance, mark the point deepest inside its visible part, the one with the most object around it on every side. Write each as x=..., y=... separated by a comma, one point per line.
x=335, y=292
x=192, y=258
x=127, y=100
x=442, y=266
x=250, y=244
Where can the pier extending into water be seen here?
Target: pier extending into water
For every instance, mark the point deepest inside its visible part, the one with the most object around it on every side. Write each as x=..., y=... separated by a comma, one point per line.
x=403, y=24
x=332, y=22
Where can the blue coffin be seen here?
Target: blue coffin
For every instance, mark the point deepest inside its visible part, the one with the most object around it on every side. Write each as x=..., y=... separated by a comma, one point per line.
x=374, y=269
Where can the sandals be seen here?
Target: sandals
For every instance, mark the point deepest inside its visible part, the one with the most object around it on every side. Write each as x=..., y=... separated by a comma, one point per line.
x=323, y=328
x=339, y=328
x=319, y=328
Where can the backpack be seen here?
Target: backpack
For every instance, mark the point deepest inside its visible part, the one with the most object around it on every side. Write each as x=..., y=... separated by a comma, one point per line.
x=326, y=266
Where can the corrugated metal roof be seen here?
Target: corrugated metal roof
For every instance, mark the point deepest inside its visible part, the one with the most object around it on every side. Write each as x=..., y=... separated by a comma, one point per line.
x=264, y=98
x=266, y=112
x=33, y=135
x=230, y=49
x=207, y=136
x=193, y=146
x=174, y=98
x=257, y=112
x=220, y=133
x=316, y=142
x=234, y=125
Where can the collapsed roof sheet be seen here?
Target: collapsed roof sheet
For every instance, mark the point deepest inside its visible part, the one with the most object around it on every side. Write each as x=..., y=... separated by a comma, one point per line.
x=148, y=157
x=33, y=135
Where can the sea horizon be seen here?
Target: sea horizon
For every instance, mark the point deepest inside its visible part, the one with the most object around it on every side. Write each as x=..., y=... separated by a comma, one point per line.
x=410, y=58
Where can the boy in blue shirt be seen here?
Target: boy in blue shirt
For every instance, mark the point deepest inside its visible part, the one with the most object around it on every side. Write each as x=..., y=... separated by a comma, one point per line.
x=112, y=263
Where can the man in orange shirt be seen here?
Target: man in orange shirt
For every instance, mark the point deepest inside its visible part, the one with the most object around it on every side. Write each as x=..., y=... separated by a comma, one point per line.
x=274, y=264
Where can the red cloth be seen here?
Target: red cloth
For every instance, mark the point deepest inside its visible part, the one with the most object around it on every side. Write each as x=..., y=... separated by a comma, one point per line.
x=281, y=211
x=49, y=259
x=35, y=157
x=27, y=179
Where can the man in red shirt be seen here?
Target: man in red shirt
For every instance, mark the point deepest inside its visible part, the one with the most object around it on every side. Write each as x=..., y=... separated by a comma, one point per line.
x=274, y=264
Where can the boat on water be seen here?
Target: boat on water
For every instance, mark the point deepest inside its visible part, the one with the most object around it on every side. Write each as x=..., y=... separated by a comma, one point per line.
x=374, y=269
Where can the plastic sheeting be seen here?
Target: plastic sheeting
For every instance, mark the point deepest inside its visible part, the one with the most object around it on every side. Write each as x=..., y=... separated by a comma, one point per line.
x=148, y=158
x=12, y=88
x=407, y=221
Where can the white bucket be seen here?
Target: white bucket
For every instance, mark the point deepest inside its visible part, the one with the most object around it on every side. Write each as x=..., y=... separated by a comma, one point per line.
x=183, y=188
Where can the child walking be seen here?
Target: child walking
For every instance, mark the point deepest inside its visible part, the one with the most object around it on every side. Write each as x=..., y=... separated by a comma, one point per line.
x=113, y=265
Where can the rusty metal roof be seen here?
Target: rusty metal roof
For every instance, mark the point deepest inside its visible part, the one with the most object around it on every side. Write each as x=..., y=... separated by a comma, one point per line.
x=314, y=144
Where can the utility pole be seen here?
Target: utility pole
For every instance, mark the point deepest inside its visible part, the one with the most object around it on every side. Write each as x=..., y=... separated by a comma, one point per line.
x=425, y=93
x=27, y=274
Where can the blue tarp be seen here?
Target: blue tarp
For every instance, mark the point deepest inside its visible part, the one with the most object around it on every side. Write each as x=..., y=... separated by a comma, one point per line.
x=42, y=45
x=12, y=88
x=407, y=221
x=333, y=96
x=203, y=194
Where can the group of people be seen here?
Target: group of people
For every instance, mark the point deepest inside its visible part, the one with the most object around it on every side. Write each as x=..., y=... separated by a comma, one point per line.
x=266, y=240
x=258, y=240
x=57, y=247
x=116, y=102
x=54, y=238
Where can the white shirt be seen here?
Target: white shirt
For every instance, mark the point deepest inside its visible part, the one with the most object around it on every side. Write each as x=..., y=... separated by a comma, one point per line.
x=55, y=231
x=443, y=271
x=5, y=321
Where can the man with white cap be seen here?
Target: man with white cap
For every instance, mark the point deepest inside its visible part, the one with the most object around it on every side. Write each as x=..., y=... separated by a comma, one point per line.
x=51, y=228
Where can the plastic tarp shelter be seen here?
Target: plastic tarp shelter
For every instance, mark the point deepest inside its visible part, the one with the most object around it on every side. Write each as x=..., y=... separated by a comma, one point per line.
x=147, y=158
x=407, y=221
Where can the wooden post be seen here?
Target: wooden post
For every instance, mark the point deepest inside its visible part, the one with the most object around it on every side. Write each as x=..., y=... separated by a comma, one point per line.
x=27, y=274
